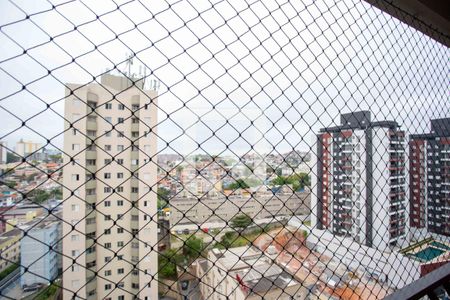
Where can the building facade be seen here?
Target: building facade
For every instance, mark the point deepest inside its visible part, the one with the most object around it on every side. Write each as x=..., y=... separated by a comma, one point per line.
x=191, y=210
x=245, y=273
x=429, y=178
x=2, y=152
x=110, y=178
x=361, y=181
x=42, y=263
x=10, y=248
x=25, y=148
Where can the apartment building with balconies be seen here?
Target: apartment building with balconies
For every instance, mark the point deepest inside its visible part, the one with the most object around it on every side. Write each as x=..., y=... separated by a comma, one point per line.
x=361, y=181
x=110, y=190
x=429, y=179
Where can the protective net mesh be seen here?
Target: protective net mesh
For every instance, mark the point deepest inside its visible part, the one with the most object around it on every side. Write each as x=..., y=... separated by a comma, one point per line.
x=220, y=150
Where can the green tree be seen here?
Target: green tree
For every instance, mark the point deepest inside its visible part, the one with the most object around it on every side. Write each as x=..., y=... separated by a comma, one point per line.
x=167, y=263
x=163, y=197
x=280, y=180
x=298, y=181
x=12, y=158
x=238, y=184
x=56, y=193
x=241, y=222
x=39, y=196
x=193, y=247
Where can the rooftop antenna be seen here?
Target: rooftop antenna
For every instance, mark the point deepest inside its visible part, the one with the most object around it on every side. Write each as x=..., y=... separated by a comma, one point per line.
x=129, y=63
x=145, y=73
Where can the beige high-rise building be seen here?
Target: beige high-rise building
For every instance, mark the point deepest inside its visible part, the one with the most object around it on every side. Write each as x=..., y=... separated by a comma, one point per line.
x=24, y=148
x=110, y=191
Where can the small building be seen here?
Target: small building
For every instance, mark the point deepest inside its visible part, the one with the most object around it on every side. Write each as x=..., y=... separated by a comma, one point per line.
x=245, y=273
x=9, y=248
x=40, y=249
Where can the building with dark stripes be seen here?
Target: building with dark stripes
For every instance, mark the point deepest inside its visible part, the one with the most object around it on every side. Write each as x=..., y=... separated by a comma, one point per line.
x=361, y=181
x=429, y=178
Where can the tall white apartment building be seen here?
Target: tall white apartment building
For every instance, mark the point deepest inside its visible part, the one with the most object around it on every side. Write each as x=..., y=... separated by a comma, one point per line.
x=2, y=152
x=360, y=189
x=110, y=191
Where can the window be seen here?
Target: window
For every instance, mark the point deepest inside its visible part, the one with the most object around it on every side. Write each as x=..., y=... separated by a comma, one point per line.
x=107, y=231
x=120, y=147
x=107, y=161
x=107, y=258
x=146, y=148
x=107, y=175
x=107, y=203
x=120, y=120
x=119, y=202
x=119, y=175
x=135, y=134
x=107, y=245
x=120, y=189
x=119, y=216
x=107, y=189
x=108, y=106
x=107, y=148
x=107, y=287
x=75, y=284
x=120, y=271
x=108, y=119
x=135, y=106
x=145, y=203
x=74, y=237
x=119, y=257
x=121, y=107
x=107, y=217
x=75, y=253
x=120, y=134
x=120, y=230
x=134, y=162
x=120, y=244
x=121, y=285
x=75, y=177
x=108, y=273
x=108, y=133
x=120, y=161
x=121, y=297
x=76, y=147
x=135, y=190
x=75, y=207
x=134, y=120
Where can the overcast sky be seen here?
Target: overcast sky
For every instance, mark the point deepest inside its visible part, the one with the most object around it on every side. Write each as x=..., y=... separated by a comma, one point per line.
x=288, y=66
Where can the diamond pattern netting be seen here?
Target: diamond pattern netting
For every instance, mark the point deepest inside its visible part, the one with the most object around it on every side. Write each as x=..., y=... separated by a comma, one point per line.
x=216, y=149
